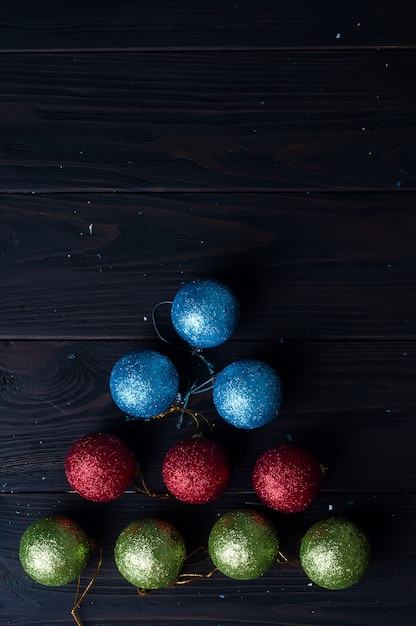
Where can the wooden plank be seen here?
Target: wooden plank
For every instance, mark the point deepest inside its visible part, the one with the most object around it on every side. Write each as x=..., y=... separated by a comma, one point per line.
x=207, y=121
x=201, y=24
x=283, y=593
x=302, y=265
x=351, y=403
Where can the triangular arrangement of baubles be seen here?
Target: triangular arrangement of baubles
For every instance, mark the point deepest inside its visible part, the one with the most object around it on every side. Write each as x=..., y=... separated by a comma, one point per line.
x=243, y=544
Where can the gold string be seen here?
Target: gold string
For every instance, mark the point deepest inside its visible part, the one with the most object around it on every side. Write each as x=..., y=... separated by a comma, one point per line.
x=141, y=591
x=194, y=414
x=145, y=489
x=80, y=598
x=200, y=549
x=192, y=577
x=172, y=409
x=283, y=560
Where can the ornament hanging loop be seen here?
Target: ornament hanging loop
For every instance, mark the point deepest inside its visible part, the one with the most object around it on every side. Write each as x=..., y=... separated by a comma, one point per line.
x=141, y=591
x=145, y=489
x=189, y=578
x=283, y=560
x=323, y=469
x=195, y=351
x=198, y=353
x=157, y=331
x=195, y=415
x=79, y=598
x=185, y=578
x=196, y=551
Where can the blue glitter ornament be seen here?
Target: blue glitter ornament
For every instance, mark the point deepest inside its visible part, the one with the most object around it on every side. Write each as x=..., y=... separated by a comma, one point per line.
x=247, y=393
x=144, y=383
x=205, y=313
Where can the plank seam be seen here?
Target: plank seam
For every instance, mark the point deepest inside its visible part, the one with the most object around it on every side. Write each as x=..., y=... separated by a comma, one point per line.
x=182, y=49
x=204, y=190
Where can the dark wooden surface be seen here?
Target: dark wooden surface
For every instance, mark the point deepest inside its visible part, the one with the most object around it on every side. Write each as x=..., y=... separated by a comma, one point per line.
x=208, y=121
x=145, y=144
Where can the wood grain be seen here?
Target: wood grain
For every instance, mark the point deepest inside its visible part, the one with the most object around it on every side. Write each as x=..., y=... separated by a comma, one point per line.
x=283, y=593
x=242, y=24
x=302, y=265
x=350, y=403
x=207, y=121
x=269, y=145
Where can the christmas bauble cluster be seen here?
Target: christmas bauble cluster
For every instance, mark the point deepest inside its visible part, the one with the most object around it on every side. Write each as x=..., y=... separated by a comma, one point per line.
x=205, y=313
x=243, y=544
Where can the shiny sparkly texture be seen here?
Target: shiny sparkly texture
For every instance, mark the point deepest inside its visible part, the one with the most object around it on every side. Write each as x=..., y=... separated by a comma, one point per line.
x=335, y=553
x=150, y=553
x=100, y=467
x=243, y=544
x=287, y=478
x=196, y=470
x=205, y=313
x=247, y=393
x=54, y=550
x=144, y=383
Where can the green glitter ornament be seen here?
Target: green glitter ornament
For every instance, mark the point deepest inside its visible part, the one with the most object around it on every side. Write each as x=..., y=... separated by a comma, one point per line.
x=54, y=550
x=335, y=553
x=150, y=553
x=243, y=544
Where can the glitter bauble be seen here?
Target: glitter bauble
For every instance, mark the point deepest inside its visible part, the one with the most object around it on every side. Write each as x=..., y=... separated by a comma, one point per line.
x=150, y=553
x=287, y=478
x=196, y=470
x=144, y=383
x=335, y=553
x=54, y=550
x=205, y=313
x=243, y=544
x=100, y=467
x=247, y=393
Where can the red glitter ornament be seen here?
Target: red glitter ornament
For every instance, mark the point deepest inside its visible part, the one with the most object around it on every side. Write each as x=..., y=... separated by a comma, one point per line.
x=196, y=470
x=100, y=467
x=287, y=478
